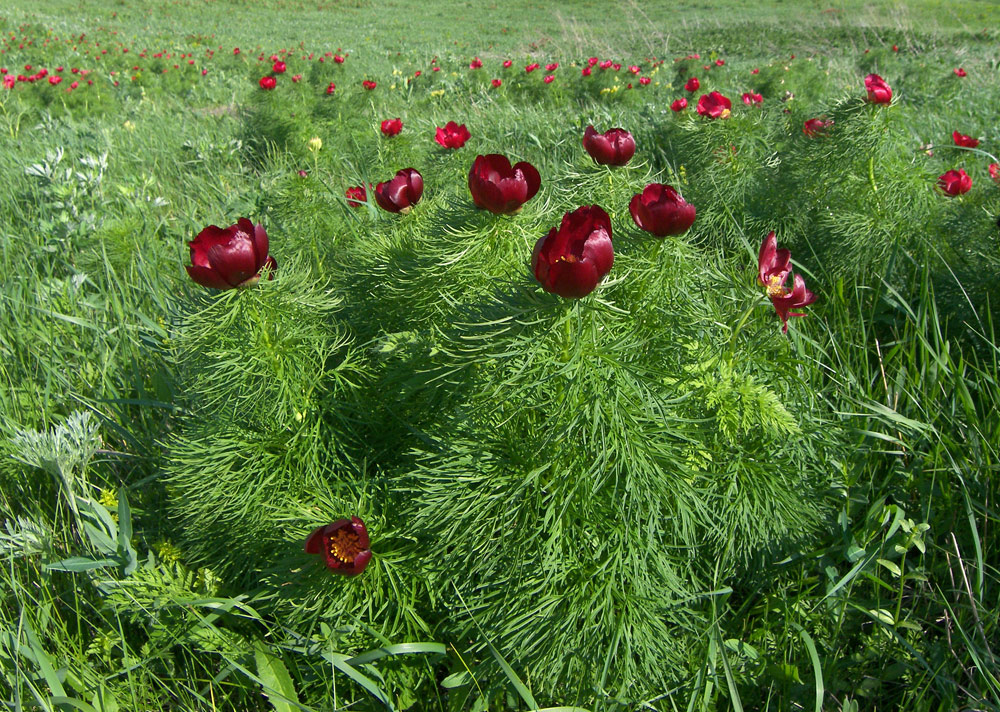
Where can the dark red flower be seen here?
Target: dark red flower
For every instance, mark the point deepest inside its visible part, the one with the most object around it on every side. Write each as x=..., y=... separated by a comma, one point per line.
x=660, y=210
x=549, y=78
x=714, y=106
x=634, y=68
x=816, y=127
x=606, y=64
x=357, y=195
x=878, y=91
x=369, y=85
x=614, y=147
x=500, y=188
x=719, y=62
x=692, y=84
x=592, y=61
x=226, y=258
x=400, y=193
x=391, y=127
x=339, y=59
x=343, y=544
x=507, y=63
x=895, y=48
x=574, y=257
x=755, y=70
x=994, y=169
x=644, y=81
x=586, y=72
x=964, y=141
x=551, y=67
x=476, y=63
x=532, y=67
x=773, y=268
x=955, y=182
x=330, y=88
x=279, y=67
x=679, y=104
x=268, y=83
x=751, y=99
x=959, y=72
x=452, y=135
x=495, y=83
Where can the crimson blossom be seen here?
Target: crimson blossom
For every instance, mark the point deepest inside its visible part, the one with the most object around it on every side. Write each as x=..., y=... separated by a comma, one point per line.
x=816, y=127
x=614, y=147
x=751, y=99
x=660, y=210
x=452, y=135
x=955, y=182
x=994, y=169
x=877, y=89
x=497, y=186
x=401, y=192
x=268, y=83
x=571, y=259
x=679, y=104
x=343, y=545
x=692, y=85
x=357, y=195
x=963, y=140
x=230, y=257
x=714, y=106
x=773, y=268
x=391, y=127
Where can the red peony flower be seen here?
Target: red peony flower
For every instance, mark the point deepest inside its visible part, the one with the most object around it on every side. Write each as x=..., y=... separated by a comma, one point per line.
x=400, y=193
x=531, y=67
x=755, y=70
x=692, y=84
x=357, y=195
x=616, y=66
x=955, y=182
x=500, y=188
x=679, y=104
x=553, y=66
x=644, y=81
x=452, y=135
x=959, y=72
x=878, y=91
x=339, y=59
x=54, y=79
x=592, y=61
x=895, y=48
x=226, y=258
x=994, y=169
x=816, y=127
x=574, y=257
x=476, y=63
x=606, y=64
x=549, y=78
x=660, y=210
x=773, y=268
x=634, y=68
x=495, y=83
x=331, y=87
x=615, y=147
x=964, y=141
x=714, y=106
x=391, y=127
x=751, y=99
x=719, y=62
x=507, y=63
x=586, y=72
x=268, y=83
x=279, y=67
x=369, y=85
x=343, y=544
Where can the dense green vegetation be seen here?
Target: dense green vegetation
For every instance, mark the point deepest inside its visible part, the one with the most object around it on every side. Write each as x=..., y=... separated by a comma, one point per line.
x=647, y=498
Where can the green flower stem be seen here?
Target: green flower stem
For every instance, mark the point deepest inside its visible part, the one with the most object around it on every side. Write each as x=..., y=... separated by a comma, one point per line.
x=739, y=327
x=871, y=172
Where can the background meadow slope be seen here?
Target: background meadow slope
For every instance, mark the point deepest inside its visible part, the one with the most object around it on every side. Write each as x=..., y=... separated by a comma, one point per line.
x=647, y=499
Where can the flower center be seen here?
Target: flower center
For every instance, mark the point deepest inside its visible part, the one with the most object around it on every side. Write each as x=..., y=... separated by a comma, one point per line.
x=567, y=258
x=774, y=288
x=725, y=114
x=344, y=545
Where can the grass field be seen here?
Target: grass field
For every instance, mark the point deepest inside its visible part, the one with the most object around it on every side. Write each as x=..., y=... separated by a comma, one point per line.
x=586, y=483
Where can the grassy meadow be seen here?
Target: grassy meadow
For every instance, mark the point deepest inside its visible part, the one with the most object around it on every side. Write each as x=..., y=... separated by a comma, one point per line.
x=650, y=497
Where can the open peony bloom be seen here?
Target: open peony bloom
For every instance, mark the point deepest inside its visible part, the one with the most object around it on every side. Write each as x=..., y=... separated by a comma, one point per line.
x=994, y=169
x=955, y=182
x=692, y=85
x=452, y=135
x=614, y=147
x=357, y=195
x=878, y=91
x=963, y=140
x=400, y=193
x=816, y=127
x=391, y=127
x=714, y=106
x=231, y=257
x=574, y=257
x=751, y=99
x=773, y=268
x=679, y=104
x=343, y=544
x=497, y=186
x=660, y=210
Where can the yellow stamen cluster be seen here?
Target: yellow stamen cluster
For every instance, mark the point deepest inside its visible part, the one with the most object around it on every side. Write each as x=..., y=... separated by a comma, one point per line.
x=345, y=545
x=774, y=287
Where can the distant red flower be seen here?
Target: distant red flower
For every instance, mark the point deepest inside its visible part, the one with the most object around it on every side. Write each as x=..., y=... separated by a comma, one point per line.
x=692, y=84
x=391, y=127
x=644, y=81
x=205, y=71
x=369, y=85
x=877, y=89
x=496, y=83
x=357, y=195
x=959, y=72
x=279, y=67
x=507, y=63
x=615, y=147
x=816, y=127
x=719, y=62
x=497, y=186
x=661, y=210
x=417, y=73
x=714, y=106
x=616, y=66
x=606, y=64
x=9, y=80
x=532, y=67
x=226, y=258
x=955, y=182
x=330, y=88
x=549, y=78
x=74, y=85
x=755, y=71
x=634, y=68
x=592, y=61
x=964, y=141
x=476, y=63
x=586, y=72
x=343, y=545
x=994, y=169
x=773, y=268
x=679, y=104
x=295, y=78
x=571, y=259
x=401, y=192
x=452, y=135
x=751, y=99
x=551, y=67
x=895, y=48
x=339, y=59
x=268, y=83
x=54, y=79
x=236, y=50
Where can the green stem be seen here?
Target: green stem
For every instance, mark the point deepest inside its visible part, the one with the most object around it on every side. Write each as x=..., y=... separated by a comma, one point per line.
x=871, y=172
x=739, y=327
